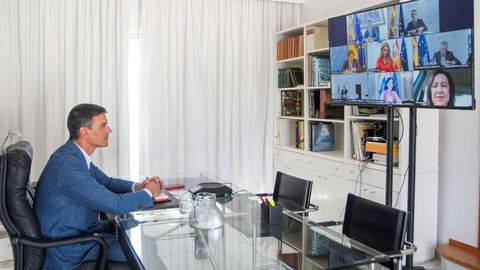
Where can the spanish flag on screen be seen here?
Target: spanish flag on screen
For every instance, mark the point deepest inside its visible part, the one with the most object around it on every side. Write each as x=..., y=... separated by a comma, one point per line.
x=393, y=19
x=354, y=49
x=397, y=59
x=415, y=51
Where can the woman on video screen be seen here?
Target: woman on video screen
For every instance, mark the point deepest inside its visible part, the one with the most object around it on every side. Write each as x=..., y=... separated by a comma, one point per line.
x=440, y=89
x=385, y=61
x=389, y=94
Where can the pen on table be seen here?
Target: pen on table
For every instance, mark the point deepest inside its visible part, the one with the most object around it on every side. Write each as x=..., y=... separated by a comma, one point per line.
x=271, y=201
x=263, y=200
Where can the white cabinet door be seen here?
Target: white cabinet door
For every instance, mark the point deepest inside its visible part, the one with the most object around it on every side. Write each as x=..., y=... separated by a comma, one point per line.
x=328, y=192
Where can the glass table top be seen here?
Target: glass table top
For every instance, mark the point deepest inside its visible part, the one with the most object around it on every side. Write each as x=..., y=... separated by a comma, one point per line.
x=163, y=239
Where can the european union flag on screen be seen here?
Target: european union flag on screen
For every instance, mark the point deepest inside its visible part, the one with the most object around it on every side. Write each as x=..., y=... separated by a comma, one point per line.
x=382, y=86
x=423, y=52
x=401, y=23
x=358, y=30
x=395, y=81
x=404, y=56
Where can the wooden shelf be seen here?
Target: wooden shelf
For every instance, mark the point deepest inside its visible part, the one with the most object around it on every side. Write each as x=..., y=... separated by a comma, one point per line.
x=291, y=60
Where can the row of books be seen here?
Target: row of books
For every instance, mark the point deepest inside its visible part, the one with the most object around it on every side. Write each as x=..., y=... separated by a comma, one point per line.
x=299, y=131
x=292, y=103
x=319, y=70
x=322, y=137
x=360, y=132
x=320, y=105
x=290, y=77
x=316, y=39
x=290, y=48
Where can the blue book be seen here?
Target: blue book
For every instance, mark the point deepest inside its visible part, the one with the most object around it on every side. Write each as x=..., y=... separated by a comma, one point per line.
x=323, y=138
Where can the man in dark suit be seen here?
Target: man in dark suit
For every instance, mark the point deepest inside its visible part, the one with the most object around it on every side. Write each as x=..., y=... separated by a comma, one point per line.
x=371, y=33
x=445, y=57
x=416, y=26
x=72, y=191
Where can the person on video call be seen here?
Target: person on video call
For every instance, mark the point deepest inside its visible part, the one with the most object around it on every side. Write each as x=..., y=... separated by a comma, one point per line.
x=415, y=26
x=371, y=33
x=351, y=64
x=445, y=57
x=389, y=94
x=385, y=61
x=440, y=89
x=72, y=191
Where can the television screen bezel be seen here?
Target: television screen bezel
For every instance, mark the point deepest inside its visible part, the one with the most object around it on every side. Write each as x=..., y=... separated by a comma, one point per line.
x=415, y=105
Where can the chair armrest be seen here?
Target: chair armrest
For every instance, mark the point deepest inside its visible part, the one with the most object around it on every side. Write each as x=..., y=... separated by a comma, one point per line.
x=42, y=243
x=409, y=248
x=313, y=207
x=329, y=223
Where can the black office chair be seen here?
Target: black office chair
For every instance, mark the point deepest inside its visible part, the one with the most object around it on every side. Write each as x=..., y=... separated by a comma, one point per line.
x=376, y=225
x=18, y=218
x=293, y=193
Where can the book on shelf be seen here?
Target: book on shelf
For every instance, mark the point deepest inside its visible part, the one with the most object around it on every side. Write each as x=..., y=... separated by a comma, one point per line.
x=319, y=67
x=360, y=132
x=322, y=137
x=292, y=103
x=290, y=77
x=291, y=47
x=382, y=158
x=299, y=137
x=320, y=105
x=315, y=38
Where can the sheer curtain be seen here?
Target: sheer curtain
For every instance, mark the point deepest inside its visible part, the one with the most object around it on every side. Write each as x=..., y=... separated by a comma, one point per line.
x=55, y=54
x=207, y=86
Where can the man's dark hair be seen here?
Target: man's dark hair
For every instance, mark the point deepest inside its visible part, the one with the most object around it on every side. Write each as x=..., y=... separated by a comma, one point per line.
x=81, y=116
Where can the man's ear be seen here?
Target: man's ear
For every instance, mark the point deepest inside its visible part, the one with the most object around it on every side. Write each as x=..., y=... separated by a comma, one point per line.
x=82, y=131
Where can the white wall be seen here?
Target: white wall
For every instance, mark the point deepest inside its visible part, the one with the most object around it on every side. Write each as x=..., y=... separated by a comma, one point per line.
x=318, y=9
x=459, y=160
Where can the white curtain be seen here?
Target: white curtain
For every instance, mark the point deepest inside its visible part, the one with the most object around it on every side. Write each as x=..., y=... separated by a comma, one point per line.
x=55, y=54
x=207, y=86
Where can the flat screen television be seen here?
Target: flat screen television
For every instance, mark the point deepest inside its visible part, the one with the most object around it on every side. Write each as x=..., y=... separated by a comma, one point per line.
x=417, y=53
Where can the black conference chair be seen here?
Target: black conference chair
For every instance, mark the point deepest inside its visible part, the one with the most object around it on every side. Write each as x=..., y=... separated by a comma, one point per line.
x=376, y=225
x=18, y=218
x=293, y=193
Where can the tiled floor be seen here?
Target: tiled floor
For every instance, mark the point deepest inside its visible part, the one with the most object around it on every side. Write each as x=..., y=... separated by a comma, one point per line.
x=6, y=265
x=431, y=265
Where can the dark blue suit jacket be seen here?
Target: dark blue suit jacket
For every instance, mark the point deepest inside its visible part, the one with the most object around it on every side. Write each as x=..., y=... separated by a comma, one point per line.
x=374, y=34
x=410, y=26
x=69, y=197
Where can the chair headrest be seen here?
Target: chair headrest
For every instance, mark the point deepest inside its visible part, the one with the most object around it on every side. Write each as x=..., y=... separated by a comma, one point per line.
x=21, y=146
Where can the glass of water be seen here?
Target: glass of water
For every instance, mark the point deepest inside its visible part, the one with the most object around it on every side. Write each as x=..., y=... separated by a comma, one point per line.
x=186, y=203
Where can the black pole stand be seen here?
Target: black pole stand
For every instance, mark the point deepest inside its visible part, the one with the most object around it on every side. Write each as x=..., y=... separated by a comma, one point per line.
x=412, y=155
x=412, y=146
x=389, y=168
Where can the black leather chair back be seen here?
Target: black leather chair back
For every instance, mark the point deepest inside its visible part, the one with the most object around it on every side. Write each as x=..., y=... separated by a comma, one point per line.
x=16, y=203
x=292, y=192
x=376, y=225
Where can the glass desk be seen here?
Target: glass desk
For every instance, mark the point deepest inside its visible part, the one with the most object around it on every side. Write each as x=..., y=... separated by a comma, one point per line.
x=163, y=239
